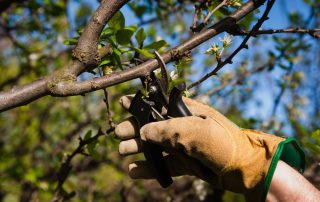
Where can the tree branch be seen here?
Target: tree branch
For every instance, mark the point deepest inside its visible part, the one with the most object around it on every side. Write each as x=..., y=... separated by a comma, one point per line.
x=19, y=96
x=80, y=88
x=66, y=166
x=312, y=32
x=236, y=80
x=86, y=50
x=243, y=45
x=63, y=82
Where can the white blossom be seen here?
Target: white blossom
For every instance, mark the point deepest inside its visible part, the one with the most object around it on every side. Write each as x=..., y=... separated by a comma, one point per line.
x=34, y=56
x=214, y=49
x=173, y=75
x=178, y=28
x=60, y=38
x=226, y=40
x=158, y=38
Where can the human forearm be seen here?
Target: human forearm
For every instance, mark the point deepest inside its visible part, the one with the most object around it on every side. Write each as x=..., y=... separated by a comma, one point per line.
x=289, y=185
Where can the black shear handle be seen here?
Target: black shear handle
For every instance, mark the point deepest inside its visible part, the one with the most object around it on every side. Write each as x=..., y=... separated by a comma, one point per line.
x=141, y=110
x=176, y=107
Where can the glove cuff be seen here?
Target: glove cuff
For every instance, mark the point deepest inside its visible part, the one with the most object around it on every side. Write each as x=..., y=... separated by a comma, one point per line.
x=290, y=152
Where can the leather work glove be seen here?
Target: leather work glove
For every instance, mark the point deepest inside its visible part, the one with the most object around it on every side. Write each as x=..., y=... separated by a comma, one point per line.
x=211, y=147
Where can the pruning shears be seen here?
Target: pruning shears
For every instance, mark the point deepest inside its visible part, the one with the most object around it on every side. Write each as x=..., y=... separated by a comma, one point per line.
x=148, y=108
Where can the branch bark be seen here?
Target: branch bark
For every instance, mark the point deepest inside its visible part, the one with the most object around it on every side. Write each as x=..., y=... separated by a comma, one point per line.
x=63, y=82
x=86, y=50
x=19, y=96
x=80, y=88
x=22, y=95
x=312, y=32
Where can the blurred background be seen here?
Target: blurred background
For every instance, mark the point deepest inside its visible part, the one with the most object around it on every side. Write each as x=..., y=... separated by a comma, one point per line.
x=272, y=86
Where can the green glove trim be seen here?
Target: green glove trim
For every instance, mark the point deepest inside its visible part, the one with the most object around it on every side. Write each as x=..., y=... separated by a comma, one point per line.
x=290, y=152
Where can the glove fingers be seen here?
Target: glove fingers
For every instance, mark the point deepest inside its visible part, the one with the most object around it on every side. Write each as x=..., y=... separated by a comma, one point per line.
x=125, y=101
x=127, y=129
x=131, y=146
x=141, y=169
x=173, y=132
x=195, y=107
x=178, y=164
x=200, y=138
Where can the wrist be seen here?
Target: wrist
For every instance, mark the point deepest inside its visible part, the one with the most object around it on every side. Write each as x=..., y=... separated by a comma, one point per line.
x=289, y=152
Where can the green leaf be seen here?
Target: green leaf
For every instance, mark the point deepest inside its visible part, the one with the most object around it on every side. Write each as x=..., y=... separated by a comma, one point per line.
x=159, y=14
x=87, y=135
x=117, y=22
x=107, y=32
x=123, y=36
x=31, y=176
x=117, y=56
x=140, y=37
x=72, y=41
x=92, y=149
x=105, y=62
x=316, y=136
x=140, y=10
x=314, y=148
x=156, y=45
x=132, y=27
x=145, y=52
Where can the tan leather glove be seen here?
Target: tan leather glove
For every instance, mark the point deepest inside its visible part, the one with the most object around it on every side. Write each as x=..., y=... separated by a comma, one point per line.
x=206, y=145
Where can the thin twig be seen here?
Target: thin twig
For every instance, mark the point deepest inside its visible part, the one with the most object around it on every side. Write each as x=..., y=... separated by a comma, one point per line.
x=237, y=80
x=223, y=3
x=243, y=45
x=106, y=101
x=289, y=72
x=282, y=91
x=65, y=168
x=196, y=26
x=312, y=32
x=195, y=20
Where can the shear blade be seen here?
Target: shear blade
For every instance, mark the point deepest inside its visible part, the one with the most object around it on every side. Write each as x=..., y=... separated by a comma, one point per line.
x=156, y=115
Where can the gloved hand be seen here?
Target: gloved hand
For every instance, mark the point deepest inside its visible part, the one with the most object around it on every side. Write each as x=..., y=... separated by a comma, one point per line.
x=206, y=145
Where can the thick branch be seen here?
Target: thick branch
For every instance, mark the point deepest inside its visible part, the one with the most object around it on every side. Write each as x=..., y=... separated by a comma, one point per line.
x=79, y=88
x=63, y=83
x=86, y=50
x=23, y=95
